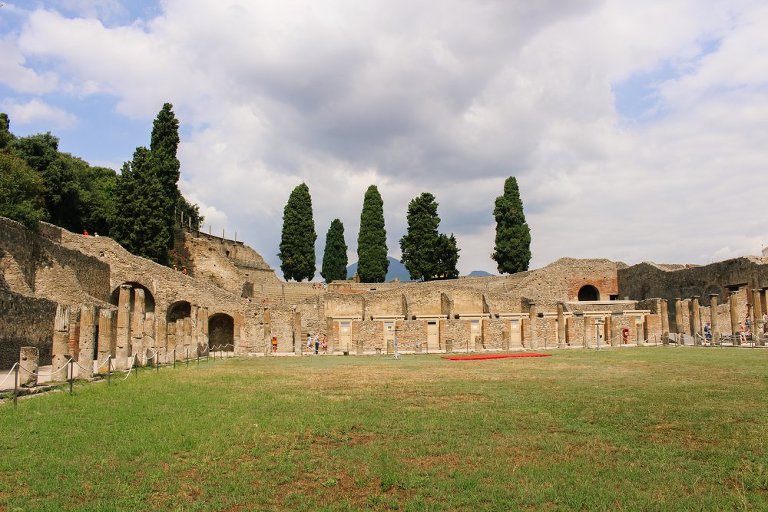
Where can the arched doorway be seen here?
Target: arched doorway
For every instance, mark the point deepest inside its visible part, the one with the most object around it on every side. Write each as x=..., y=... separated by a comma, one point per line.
x=221, y=332
x=588, y=293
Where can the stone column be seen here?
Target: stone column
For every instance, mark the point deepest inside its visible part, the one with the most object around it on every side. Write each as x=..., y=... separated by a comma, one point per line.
x=615, y=332
x=732, y=298
x=297, y=338
x=532, y=314
x=74, y=335
x=237, y=322
x=267, y=337
x=695, y=319
x=757, y=319
x=187, y=352
x=560, y=325
x=123, y=341
x=587, y=328
x=713, y=316
x=60, y=344
x=29, y=362
x=137, y=325
x=679, y=318
x=640, y=331
x=149, y=343
x=106, y=341
x=87, y=341
x=664, y=320
x=194, y=312
x=203, y=323
x=178, y=347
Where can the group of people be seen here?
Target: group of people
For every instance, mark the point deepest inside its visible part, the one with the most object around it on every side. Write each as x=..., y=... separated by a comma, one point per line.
x=745, y=329
x=317, y=341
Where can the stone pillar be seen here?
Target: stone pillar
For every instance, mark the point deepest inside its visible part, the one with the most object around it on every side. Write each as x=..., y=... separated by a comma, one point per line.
x=106, y=341
x=297, y=338
x=587, y=327
x=203, y=322
x=123, y=341
x=613, y=320
x=60, y=344
x=664, y=320
x=757, y=317
x=149, y=343
x=29, y=362
x=267, y=323
x=74, y=335
x=178, y=347
x=194, y=312
x=679, y=319
x=560, y=325
x=137, y=325
x=713, y=316
x=87, y=341
x=532, y=314
x=732, y=298
x=696, y=320
x=187, y=352
x=640, y=331
x=237, y=323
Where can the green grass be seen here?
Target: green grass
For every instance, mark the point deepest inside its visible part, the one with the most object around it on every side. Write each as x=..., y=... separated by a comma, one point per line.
x=640, y=429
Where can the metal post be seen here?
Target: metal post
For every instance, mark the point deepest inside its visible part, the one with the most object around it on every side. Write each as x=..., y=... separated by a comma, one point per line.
x=135, y=367
x=109, y=370
x=198, y=358
x=71, y=374
x=16, y=386
x=174, y=358
x=187, y=358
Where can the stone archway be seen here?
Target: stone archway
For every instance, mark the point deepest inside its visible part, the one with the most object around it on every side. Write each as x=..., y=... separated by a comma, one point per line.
x=221, y=332
x=588, y=293
x=149, y=299
x=178, y=310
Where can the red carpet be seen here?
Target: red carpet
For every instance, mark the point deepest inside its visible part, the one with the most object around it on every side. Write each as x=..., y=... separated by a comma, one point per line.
x=476, y=357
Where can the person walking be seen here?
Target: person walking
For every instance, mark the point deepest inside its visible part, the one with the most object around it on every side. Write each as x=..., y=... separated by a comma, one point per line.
x=317, y=344
x=274, y=344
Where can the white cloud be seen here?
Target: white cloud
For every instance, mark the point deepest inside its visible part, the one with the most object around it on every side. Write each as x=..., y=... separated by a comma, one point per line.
x=453, y=100
x=35, y=111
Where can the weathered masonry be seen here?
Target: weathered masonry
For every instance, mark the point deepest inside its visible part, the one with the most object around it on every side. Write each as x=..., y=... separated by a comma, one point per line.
x=68, y=295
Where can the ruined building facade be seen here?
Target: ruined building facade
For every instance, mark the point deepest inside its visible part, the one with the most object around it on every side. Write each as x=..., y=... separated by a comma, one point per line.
x=87, y=298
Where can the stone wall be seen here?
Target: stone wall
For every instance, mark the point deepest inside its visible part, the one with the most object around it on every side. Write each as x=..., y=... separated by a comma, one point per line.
x=25, y=321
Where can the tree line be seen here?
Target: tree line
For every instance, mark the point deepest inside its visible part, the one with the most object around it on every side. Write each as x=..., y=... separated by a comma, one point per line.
x=426, y=253
x=138, y=207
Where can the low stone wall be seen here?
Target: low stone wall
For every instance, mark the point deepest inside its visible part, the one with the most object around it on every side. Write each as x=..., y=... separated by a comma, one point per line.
x=25, y=321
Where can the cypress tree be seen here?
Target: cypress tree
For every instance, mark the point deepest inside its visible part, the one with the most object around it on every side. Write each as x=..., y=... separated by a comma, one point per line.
x=139, y=228
x=512, y=251
x=297, y=243
x=447, y=258
x=372, y=262
x=420, y=244
x=163, y=146
x=335, y=254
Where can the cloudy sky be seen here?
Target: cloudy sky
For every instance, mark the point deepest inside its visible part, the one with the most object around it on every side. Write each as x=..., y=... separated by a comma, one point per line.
x=638, y=131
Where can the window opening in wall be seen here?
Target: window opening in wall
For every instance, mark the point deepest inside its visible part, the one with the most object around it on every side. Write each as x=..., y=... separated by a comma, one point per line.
x=614, y=297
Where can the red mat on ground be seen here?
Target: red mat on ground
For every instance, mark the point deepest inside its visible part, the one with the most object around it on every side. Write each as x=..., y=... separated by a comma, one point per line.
x=476, y=357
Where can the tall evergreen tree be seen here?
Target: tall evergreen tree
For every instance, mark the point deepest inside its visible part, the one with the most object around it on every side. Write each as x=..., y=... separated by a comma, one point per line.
x=447, y=258
x=139, y=228
x=297, y=243
x=335, y=254
x=163, y=146
x=426, y=254
x=512, y=251
x=372, y=262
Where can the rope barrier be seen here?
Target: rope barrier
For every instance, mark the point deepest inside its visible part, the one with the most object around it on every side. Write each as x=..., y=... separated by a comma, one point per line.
x=10, y=372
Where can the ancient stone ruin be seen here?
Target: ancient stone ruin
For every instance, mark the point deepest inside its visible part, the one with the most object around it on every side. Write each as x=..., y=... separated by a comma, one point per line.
x=65, y=295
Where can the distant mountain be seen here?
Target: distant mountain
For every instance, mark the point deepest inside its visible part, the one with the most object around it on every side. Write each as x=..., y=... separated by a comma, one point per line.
x=396, y=270
x=479, y=273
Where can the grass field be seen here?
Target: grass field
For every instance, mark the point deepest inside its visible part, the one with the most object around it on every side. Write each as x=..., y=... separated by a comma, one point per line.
x=637, y=429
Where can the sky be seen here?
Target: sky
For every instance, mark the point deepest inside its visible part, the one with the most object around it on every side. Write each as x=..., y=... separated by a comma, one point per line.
x=637, y=131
